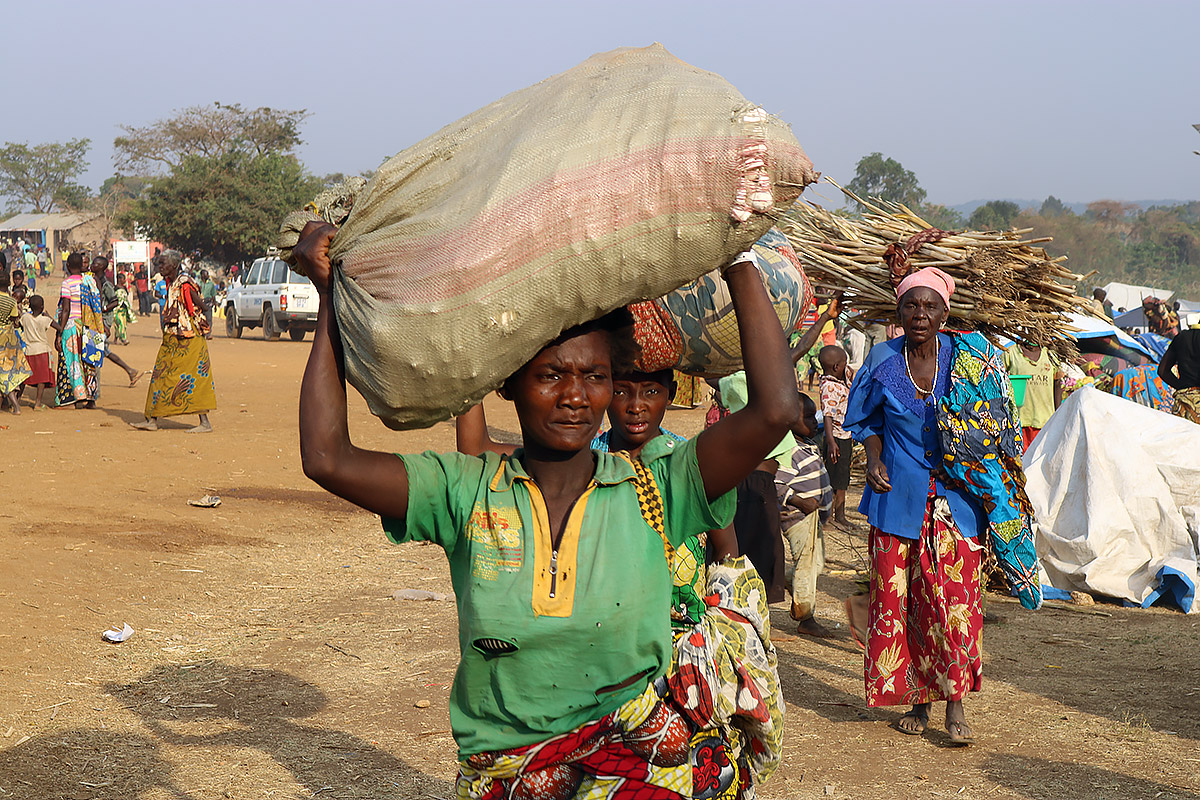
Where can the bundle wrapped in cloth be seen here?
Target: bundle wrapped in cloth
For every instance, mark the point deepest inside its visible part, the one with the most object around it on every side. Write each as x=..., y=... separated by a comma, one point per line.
x=614, y=182
x=694, y=330
x=1007, y=286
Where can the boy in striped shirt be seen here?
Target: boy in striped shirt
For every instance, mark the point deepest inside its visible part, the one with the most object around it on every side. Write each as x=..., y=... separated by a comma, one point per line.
x=804, y=491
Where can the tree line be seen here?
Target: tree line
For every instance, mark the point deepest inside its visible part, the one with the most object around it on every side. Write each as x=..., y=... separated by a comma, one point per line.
x=215, y=179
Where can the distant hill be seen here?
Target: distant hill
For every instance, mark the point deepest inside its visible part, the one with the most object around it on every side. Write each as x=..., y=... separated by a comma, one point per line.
x=966, y=209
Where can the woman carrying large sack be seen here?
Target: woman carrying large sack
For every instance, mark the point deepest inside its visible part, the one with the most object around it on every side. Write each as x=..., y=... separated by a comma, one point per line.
x=561, y=582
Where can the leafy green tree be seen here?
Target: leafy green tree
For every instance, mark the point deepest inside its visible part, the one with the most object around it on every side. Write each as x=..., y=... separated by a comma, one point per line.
x=885, y=178
x=226, y=206
x=1053, y=207
x=940, y=216
x=210, y=131
x=42, y=177
x=994, y=215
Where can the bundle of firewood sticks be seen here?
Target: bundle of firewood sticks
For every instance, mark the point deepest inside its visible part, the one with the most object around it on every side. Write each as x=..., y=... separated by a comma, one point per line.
x=1006, y=285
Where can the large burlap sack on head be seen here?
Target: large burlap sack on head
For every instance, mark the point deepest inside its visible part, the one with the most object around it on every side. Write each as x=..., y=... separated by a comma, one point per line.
x=693, y=329
x=616, y=181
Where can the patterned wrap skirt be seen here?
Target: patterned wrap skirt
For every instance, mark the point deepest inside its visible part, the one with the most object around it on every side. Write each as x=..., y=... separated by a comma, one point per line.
x=76, y=379
x=638, y=752
x=182, y=379
x=925, y=624
x=1187, y=404
x=14, y=368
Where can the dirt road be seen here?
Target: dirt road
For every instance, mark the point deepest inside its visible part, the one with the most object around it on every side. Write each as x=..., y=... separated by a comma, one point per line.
x=270, y=660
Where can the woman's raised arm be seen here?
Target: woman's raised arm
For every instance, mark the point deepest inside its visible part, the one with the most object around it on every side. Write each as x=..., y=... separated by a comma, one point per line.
x=373, y=480
x=732, y=448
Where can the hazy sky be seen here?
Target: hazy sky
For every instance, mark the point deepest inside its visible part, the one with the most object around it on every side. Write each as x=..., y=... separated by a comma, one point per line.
x=982, y=100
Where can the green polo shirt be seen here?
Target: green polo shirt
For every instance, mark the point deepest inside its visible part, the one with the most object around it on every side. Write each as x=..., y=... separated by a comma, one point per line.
x=600, y=620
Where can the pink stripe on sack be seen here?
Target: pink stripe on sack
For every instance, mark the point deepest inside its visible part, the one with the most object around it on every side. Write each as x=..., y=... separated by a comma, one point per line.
x=674, y=178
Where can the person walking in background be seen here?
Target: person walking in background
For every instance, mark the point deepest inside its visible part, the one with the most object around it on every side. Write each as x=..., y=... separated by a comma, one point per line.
x=108, y=310
x=804, y=492
x=123, y=315
x=182, y=379
x=1100, y=304
x=838, y=446
x=14, y=368
x=1043, y=390
x=35, y=329
x=142, y=284
x=208, y=296
x=1180, y=369
x=43, y=259
x=160, y=290
x=80, y=327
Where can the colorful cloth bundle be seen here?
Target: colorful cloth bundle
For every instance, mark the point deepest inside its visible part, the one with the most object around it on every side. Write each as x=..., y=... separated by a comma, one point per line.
x=724, y=671
x=1143, y=386
x=694, y=329
x=981, y=440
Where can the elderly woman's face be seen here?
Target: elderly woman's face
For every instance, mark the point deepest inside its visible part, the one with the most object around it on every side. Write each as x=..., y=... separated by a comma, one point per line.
x=922, y=312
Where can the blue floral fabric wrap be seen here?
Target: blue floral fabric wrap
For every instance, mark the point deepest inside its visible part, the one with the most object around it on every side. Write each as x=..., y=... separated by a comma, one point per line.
x=981, y=439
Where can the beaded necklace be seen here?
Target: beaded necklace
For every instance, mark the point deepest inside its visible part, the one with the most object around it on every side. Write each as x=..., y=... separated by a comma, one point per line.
x=937, y=365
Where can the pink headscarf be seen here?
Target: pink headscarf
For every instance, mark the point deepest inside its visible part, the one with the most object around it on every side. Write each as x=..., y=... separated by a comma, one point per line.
x=930, y=277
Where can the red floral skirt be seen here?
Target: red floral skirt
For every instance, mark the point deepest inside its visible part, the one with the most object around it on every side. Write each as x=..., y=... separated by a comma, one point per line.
x=924, y=639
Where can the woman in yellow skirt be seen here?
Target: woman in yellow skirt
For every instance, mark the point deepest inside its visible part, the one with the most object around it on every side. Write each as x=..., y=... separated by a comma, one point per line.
x=182, y=379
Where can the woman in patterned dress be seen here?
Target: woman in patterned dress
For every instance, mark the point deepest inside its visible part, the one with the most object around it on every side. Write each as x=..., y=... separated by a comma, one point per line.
x=923, y=636
x=182, y=379
x=79, y=320
x=14, y=368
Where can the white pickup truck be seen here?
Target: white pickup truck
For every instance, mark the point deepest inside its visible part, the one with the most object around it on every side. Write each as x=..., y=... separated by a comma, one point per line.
x=273, y=298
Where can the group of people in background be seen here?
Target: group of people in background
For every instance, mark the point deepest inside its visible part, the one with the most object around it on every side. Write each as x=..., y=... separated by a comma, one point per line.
x=92, y=313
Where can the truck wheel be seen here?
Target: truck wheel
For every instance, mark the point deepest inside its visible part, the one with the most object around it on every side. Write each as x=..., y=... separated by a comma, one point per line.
x=296, y=334
x=270, y=331
x=233, y=327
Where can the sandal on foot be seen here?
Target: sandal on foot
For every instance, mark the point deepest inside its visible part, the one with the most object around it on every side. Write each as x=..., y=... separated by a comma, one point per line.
x=922, y=723
x=133, y=381
x=960, y=734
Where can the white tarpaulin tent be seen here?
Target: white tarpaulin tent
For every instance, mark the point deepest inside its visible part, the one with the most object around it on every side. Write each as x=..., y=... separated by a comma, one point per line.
x=1115, y=488
x=1128, y=296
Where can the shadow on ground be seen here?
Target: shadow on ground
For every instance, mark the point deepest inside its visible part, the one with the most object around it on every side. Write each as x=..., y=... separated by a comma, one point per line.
x=1042, y=779
x=211, y=704
x=1075, y=661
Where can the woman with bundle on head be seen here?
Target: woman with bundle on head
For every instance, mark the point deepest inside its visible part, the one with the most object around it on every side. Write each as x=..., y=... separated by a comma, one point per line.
x=923, y=632
x=182, y=379
x=559, y=566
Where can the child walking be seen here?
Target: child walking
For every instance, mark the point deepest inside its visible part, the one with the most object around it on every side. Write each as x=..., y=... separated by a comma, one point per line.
x=803, y=487
x=835, y=391
x=35, y=329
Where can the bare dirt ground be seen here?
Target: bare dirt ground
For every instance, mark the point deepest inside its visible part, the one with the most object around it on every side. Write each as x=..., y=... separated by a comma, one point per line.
x=270, y=660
